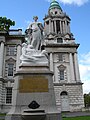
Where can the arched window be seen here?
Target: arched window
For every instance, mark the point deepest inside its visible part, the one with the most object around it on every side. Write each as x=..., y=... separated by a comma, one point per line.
x=61, y=72
x=64, y=93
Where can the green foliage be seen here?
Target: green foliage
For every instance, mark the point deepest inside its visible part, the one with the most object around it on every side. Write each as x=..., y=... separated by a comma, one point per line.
x=87, y=100
x=6, y=23
x=77, y=118
x=2, y=114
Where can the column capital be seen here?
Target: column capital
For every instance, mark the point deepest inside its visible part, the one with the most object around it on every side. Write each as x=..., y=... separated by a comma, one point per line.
x=2, y=39
x=18, y=44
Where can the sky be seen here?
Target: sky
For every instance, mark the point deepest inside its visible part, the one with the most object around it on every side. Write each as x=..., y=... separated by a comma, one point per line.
x=22, y=12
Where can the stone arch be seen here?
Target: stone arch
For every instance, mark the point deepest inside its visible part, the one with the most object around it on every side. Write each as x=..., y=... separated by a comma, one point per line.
x=63, y=93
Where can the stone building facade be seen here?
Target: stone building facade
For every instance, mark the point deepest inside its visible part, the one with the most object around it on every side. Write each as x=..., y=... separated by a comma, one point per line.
x=62, y=50
x=63, y=62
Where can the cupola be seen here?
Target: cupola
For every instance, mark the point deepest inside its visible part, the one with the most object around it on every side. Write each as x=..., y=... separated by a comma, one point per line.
x=54, y=4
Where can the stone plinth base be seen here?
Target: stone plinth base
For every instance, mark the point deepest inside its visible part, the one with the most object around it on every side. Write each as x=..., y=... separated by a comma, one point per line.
x=50, y=116
x=33, y=95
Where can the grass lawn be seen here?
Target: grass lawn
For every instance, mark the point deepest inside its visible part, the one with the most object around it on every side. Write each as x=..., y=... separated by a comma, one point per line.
x=2, y=114
x=77, y=118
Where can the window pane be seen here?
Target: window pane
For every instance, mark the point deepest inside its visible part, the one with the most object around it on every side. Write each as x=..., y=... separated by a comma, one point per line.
x=8, y=95
x=60, y=57
x=10, y=69
x=59, y=40
x=61, y=74
x=11, y=50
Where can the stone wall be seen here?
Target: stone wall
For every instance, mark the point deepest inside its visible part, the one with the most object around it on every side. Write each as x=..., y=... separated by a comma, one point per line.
x=75, y=96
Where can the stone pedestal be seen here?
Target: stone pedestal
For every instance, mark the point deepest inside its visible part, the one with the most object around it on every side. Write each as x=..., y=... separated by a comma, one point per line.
x=33, y=95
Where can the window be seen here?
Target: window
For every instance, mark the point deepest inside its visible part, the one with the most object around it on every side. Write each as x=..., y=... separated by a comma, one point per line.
x=8, y=95
x=61, y=74
x=60, y=57
x=58, y=25
x=59, y=40
x=11, y=50
x=64, y=93
x=10, y=69
x=55, y=12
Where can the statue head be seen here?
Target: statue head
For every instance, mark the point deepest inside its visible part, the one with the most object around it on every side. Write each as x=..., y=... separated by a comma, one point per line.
x=35, y=18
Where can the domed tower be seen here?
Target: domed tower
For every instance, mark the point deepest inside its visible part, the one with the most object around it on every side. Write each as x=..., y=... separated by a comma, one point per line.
x=57, y=22
x=62, y=50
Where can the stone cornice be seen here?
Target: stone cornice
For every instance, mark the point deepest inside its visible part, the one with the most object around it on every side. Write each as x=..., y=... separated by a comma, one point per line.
x=60, y=84
x=3, y=33
x=15, y=36
x=2, y=39
x=57, y=16
x=63, y=45
x=33, y=72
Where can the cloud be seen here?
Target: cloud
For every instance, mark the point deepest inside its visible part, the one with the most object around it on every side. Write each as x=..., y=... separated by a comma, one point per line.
x=84, y=66
x=75, y=2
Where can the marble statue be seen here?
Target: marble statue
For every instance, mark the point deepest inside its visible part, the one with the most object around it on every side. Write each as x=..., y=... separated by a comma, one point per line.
x=31, y=50
x=30, y=55
x=36, y=33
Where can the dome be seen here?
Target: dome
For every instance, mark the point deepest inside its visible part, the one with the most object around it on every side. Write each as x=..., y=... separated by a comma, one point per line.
x=54, y=4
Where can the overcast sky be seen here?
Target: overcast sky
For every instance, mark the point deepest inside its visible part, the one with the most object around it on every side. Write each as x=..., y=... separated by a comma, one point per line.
x=22, y=12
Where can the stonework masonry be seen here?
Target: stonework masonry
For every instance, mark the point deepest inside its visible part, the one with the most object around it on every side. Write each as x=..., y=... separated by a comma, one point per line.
x=75, y=96
x=62, y=50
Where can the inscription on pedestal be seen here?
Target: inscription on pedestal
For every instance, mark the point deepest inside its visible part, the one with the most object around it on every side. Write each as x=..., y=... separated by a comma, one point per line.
x=33, y=84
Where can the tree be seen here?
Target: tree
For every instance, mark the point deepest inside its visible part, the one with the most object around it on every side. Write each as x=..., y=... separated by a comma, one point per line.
x=87, y=100
x=6, y=23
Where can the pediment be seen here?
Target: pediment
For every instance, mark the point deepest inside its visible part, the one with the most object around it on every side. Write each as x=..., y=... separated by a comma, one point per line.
x=11, y=59
x=61, y=67
x=67, y=36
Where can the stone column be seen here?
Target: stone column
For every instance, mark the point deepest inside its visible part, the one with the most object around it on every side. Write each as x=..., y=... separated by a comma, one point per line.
x=51, y=65
x=49, y=26
x=1, y=58
x=65, y=26
x=69, y=27
x=18, y=56
x=60, y=27
x=72, y=76
x=55, y=26
x=76, y=68
x=51, y=62
x=52, y=26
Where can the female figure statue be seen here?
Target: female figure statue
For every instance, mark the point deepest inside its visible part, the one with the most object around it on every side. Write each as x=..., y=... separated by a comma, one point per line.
x=37, y=33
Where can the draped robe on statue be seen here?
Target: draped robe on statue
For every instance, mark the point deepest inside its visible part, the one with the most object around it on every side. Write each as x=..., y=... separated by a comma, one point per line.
x=36, y=35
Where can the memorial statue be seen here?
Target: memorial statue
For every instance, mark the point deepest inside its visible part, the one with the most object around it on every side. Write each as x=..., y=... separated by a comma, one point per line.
x=35, y=33
x=31, y=50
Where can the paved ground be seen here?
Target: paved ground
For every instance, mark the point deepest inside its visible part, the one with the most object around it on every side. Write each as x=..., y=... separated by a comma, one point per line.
x=66, y=114
x=75, y=114
x=2, y=117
